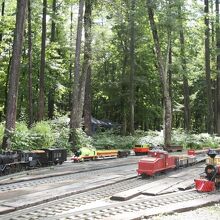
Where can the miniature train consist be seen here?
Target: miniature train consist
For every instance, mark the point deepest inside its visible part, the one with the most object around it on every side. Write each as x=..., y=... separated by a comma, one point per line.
x=142, y=149
x=159, y=161
x=211, y=180
x=90, y=153
x=15, y=161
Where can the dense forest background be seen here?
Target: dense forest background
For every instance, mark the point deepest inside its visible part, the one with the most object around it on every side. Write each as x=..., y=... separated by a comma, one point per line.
x=142, y=64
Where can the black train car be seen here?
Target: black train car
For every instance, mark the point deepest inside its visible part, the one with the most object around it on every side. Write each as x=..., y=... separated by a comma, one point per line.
x=41, y=157
x=56, y=155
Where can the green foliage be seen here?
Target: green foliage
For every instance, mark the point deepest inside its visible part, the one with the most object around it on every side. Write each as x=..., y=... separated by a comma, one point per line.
x=2, y=128
x=203, y=140
x=42, y=135
x=109, y=140
x=82, y=138
x=151, y=138
x=39, y=136
x=179, y=137
x=20, y=138
x=55, y=133
x=111, y=71
x=60, y=127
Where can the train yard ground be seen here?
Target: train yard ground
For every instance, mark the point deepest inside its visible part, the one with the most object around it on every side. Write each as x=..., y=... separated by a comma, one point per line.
x=105, y=189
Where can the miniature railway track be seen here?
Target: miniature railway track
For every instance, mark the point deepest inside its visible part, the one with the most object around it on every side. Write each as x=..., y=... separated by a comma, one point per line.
x=61, y=210
x=72, y=205
x=111, y=211
x=57, y=179
x=79, y=204
x=55, y=207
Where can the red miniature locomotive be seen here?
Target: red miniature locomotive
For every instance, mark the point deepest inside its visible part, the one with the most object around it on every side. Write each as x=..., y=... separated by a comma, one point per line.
x=157, y=161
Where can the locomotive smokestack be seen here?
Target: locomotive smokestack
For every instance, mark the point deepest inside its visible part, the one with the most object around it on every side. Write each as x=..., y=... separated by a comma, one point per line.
x=212, y=153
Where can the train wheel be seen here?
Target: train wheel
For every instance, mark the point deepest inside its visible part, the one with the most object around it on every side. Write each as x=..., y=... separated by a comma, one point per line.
x=144, y=175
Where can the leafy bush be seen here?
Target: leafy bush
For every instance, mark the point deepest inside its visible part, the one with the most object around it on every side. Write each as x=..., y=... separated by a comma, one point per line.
x=179, y=137
x=2, y=128
x=60, y=127
x=55, y=133
x=41, y=135
x=202, y=140
x=152, y=138
x=107, y=140
x=82, y=139
x=20, y=137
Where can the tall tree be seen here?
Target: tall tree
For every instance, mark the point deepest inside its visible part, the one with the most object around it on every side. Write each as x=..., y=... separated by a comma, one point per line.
x=185, y=78
x=163, y=69
x=218, y=66
x=71, y=59
x=9, y=65
x=30, y=68
x=41, y=105
x=14, y=72
x=76, y=114
x=208, y=70
x=87, y=66
x=51, y=92
x=2, y=17
x=132, y=63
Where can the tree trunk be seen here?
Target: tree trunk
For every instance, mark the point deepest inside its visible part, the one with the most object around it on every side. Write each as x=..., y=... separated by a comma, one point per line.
x=76, y=115
x=185, y=79
x=208, y=71
x=123, y=90
x=2, y=14
x=218, y=66
x=6, y=86
x=87, y=53
x=71, y=59
x=51, y=93
x=41, y=110
x=88, y=71
x=30, y=64
x=163, y=68
x=14, y=72
x=132, y=70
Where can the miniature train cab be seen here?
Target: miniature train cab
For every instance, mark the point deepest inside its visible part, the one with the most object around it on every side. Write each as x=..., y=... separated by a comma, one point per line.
x=157, y=161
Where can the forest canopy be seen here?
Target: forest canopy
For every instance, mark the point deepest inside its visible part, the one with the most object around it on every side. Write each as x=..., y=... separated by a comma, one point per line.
x=149, y=65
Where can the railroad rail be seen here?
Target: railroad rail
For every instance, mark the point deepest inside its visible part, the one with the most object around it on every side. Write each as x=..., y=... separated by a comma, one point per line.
x=60, y=178
x=75, y=204
x=72, y=202
x=132, y=209
x=87, y=193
